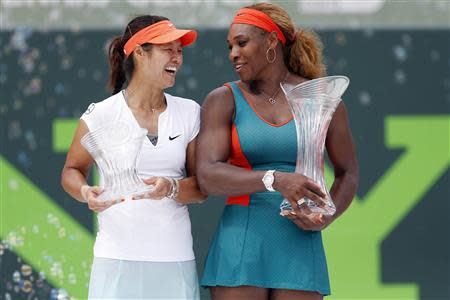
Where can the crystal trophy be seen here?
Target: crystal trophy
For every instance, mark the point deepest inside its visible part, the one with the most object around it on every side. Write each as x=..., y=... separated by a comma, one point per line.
x=313, y=103
x=115, y=149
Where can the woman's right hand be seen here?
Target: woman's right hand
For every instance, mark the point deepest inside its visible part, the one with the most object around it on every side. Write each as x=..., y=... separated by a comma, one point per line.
x=90, y=194
x=295, y=186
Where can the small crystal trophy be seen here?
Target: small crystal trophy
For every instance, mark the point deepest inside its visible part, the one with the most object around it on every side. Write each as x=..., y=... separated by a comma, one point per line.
x=313, y=104
x=115, y=148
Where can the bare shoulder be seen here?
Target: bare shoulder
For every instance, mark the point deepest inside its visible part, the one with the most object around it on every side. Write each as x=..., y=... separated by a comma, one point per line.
x=221, y=95
x=219, y=101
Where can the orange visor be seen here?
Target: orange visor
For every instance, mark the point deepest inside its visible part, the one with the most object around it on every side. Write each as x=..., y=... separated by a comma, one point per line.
x=159, y=33
x=259, y=19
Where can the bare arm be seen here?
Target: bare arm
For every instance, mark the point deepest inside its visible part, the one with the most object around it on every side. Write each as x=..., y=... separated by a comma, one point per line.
x=341, y=151
x=189, y=190
x=217, y=177
x=76, y=170
x=342, y=154
x=78, y=163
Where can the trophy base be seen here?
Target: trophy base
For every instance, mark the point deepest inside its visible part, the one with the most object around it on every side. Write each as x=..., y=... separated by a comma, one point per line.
x=328, y=210
x=117, y=195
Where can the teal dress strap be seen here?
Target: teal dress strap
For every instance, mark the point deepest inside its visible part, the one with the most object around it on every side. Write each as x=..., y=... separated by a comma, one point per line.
x=239, y=100
x=242, y=107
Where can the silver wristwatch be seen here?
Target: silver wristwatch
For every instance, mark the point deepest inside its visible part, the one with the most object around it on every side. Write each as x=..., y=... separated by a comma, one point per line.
x=268, y=180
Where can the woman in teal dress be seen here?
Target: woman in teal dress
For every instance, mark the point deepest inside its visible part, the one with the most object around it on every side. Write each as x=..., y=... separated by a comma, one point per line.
x=247, y=151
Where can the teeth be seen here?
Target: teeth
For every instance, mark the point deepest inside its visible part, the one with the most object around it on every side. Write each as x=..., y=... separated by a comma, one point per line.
x=173, y=69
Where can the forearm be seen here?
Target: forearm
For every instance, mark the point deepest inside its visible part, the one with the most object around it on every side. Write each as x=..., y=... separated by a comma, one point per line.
x=224, y=179
x=343, y=191
x=72, y=180
x=189, y=191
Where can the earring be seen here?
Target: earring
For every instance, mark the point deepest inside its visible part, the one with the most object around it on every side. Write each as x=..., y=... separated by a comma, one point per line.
x=274, y=55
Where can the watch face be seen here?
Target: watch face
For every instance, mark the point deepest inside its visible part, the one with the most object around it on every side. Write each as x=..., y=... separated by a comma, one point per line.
x=268, y=179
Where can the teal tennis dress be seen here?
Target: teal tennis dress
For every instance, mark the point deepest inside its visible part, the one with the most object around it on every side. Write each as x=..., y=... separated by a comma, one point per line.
x=253, y=244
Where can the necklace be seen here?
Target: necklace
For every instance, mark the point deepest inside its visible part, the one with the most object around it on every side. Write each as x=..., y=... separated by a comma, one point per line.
x=272, y=99
x=153, y=109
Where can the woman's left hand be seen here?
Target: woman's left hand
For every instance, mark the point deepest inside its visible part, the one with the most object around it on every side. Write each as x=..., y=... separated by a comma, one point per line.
x=308, y=221
x=162, y=187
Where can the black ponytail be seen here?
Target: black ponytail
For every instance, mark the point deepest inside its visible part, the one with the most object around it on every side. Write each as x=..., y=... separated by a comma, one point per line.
x=116, y=59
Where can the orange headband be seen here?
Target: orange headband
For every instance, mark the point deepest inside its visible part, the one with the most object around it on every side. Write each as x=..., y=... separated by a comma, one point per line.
x=159, y=33
x=259, y=19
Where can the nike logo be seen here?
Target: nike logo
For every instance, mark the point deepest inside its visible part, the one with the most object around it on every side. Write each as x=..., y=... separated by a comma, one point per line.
x=172, y=138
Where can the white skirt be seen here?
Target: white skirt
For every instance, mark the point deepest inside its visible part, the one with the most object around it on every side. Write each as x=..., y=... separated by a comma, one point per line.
x=124, y=279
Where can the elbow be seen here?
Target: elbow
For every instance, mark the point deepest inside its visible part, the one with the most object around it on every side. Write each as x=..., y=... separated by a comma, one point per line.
x=204, y=182
x=202, y=195
x=352, y=177
x=67, y=179
x=349, y=174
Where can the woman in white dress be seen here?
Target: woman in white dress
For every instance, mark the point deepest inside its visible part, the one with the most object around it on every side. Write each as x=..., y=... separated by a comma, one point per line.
x=143, y=248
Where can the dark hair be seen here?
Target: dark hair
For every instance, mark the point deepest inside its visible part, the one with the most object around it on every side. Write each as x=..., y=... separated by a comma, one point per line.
x=122, y=69
x=303, y=49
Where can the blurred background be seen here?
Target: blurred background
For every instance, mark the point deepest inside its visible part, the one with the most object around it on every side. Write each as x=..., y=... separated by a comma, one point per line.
x=392, y=243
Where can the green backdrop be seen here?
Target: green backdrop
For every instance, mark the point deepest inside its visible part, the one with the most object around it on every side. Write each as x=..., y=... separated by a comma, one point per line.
x=392, y=243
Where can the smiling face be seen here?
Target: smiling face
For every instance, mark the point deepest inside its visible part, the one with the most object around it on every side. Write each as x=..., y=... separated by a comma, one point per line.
x=247, y=45
x=160, y=65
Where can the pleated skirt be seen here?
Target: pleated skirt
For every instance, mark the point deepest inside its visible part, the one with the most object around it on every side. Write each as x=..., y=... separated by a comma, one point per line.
x=123, y=279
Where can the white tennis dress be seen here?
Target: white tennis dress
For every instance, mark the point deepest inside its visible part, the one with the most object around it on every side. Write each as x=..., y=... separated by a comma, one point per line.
x=143, y=248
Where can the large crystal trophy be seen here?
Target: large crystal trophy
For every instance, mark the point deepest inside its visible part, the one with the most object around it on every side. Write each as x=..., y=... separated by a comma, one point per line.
x=313, y=104
x=115, y=148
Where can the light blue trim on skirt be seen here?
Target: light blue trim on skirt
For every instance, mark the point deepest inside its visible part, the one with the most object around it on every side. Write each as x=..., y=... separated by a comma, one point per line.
x=124, y=279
